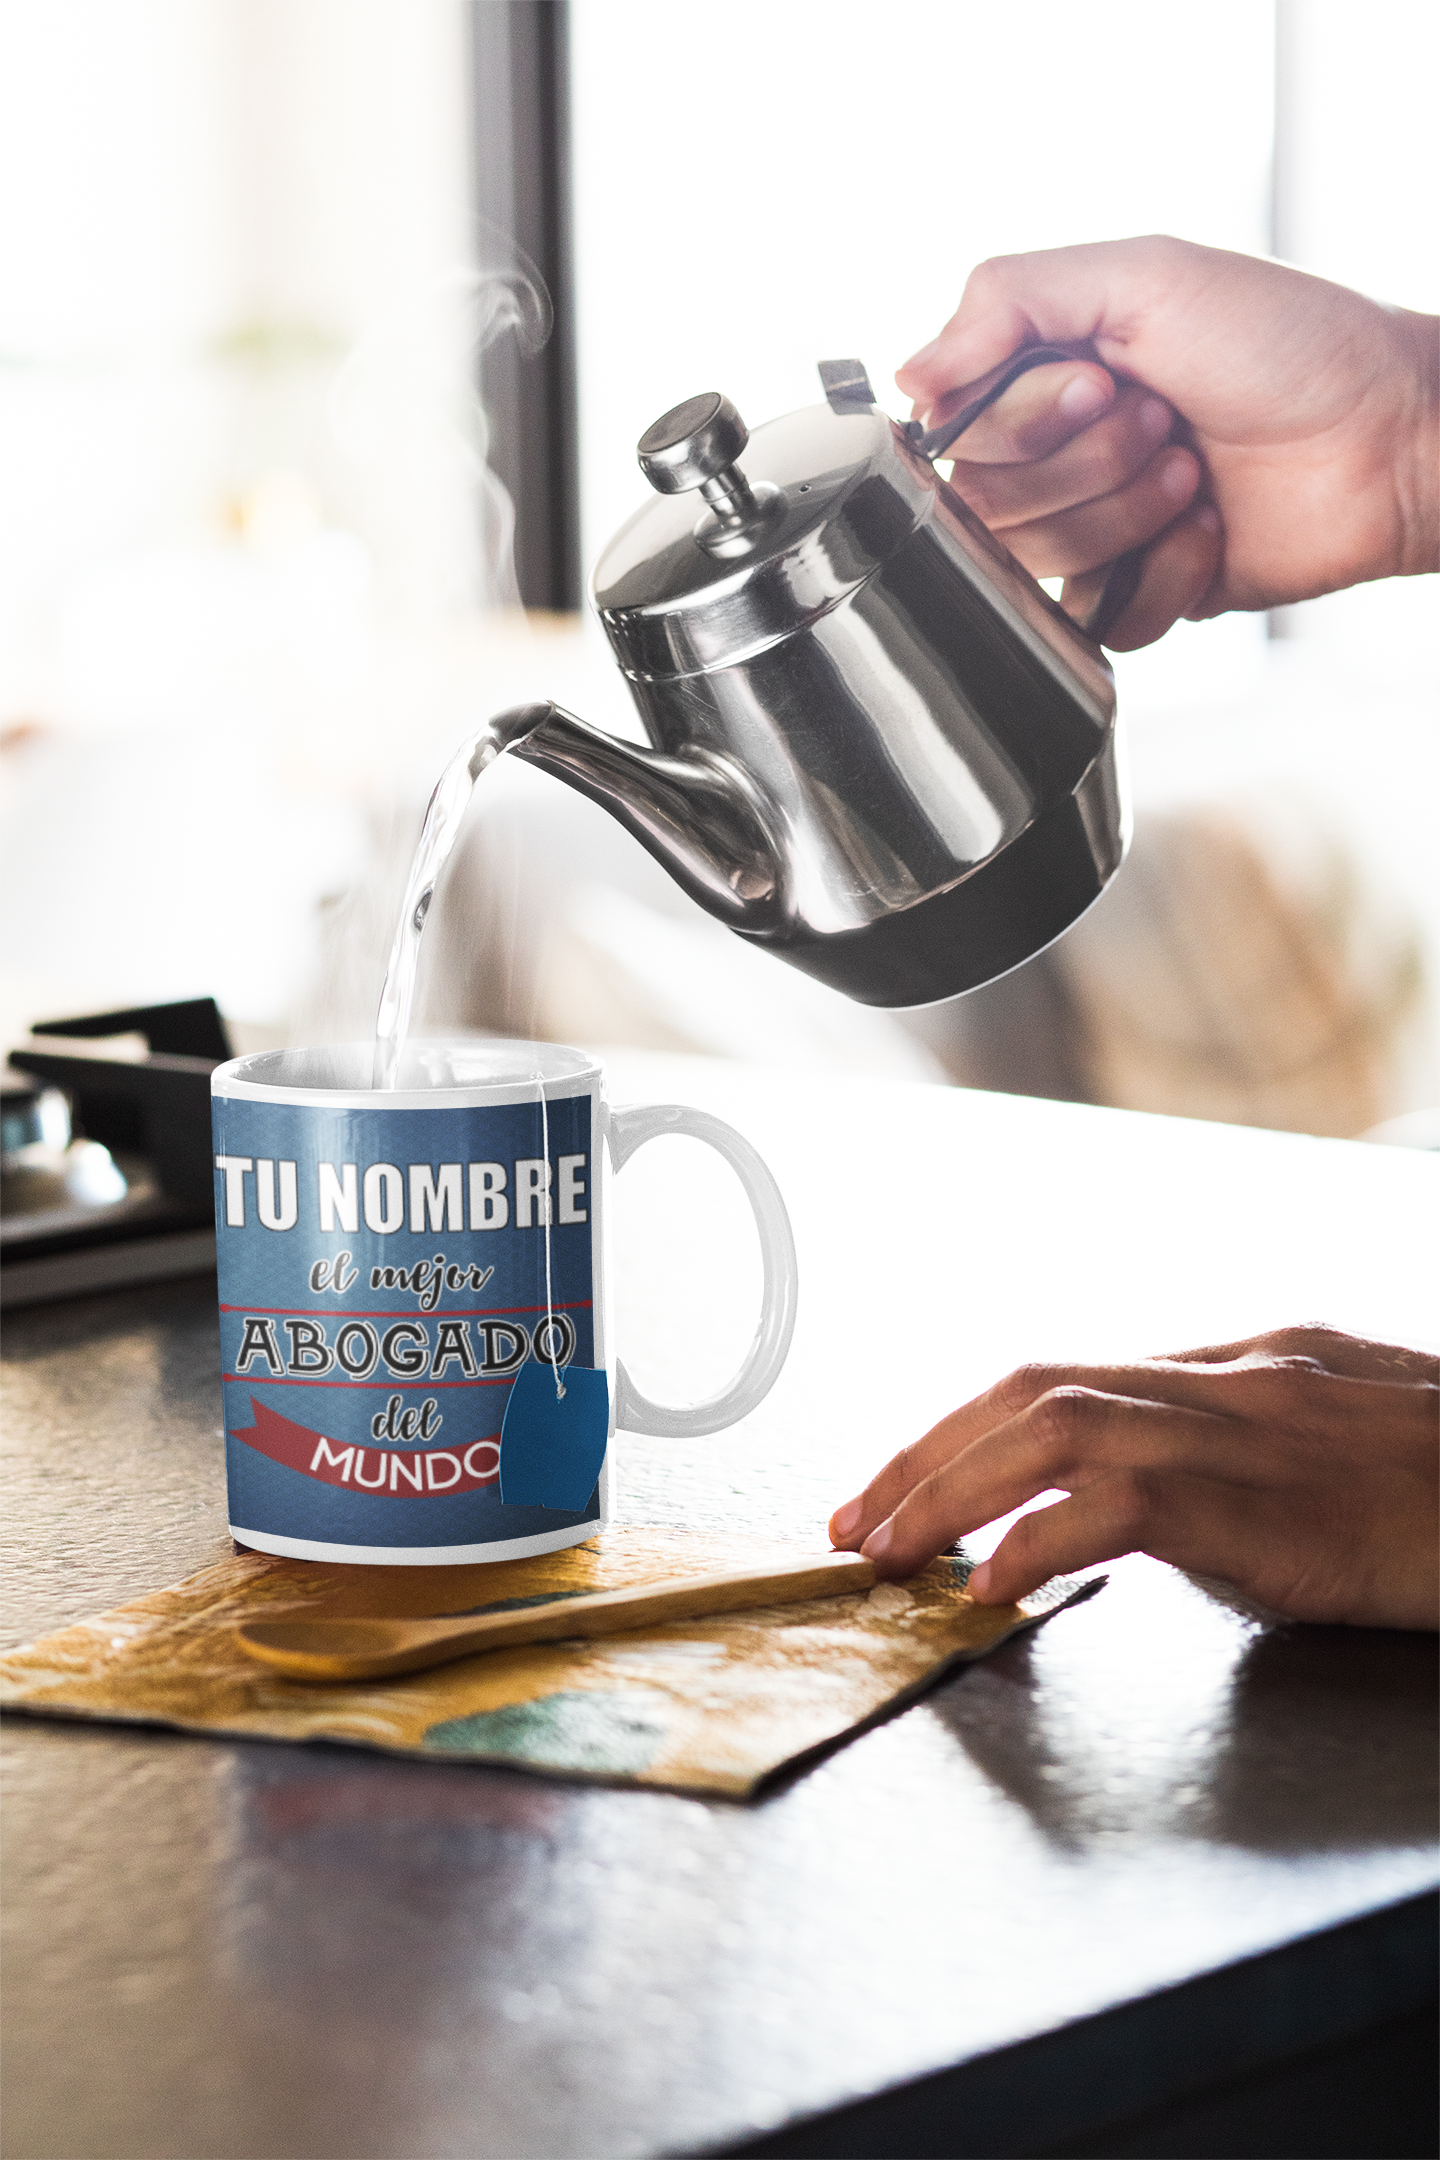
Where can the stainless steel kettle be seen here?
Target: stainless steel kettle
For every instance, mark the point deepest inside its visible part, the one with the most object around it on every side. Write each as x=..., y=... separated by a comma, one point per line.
x=878, y=750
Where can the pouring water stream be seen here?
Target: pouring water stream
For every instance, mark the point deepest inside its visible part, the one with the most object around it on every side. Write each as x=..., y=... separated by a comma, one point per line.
x=444, y=817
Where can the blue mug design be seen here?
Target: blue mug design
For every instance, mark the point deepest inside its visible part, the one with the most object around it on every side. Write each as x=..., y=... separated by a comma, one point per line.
x=416, y=1363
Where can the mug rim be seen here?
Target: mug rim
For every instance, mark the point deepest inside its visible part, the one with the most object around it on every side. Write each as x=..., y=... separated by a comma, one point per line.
x=248, y=1078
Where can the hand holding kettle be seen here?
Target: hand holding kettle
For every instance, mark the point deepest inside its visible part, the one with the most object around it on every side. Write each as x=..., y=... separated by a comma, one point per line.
x=1300, y=455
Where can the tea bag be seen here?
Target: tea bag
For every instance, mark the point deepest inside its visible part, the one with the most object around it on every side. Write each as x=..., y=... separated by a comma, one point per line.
x=552, y=1443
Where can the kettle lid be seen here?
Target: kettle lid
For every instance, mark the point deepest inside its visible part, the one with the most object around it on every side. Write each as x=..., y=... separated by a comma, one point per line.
x=824, y=496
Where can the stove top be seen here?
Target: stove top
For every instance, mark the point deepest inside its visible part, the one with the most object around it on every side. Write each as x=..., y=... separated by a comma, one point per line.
x=106, y=1175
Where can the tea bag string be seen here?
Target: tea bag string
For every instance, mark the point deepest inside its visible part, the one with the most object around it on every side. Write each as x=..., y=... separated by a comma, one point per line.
x=549, y=1210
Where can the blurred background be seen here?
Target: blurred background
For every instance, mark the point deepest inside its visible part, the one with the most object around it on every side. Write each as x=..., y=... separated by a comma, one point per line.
x=309, y=309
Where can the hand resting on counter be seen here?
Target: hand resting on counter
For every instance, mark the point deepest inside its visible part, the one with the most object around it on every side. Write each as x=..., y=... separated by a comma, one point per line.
x=1302, y=1467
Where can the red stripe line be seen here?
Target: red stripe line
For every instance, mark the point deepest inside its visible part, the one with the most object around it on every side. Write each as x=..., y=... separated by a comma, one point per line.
x=468, y=1312
x=391, y=1382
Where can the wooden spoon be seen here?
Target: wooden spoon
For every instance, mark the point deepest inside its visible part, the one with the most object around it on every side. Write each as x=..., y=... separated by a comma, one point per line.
x=328, y=1650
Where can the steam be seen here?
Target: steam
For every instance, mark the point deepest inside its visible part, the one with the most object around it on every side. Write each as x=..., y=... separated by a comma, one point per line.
x=406, y=411
x=406, y=402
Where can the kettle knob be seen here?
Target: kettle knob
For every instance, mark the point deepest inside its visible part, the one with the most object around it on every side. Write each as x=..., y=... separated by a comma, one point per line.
x=692, y=443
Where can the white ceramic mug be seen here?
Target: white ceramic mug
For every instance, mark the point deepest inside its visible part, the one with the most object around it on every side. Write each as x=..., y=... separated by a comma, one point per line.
x=417, y=1357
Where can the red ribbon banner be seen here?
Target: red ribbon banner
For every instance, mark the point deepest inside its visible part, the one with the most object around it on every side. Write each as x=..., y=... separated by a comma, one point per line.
x=407, y=1471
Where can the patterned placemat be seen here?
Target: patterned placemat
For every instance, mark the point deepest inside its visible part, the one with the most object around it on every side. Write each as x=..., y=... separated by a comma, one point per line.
x=702, y=1706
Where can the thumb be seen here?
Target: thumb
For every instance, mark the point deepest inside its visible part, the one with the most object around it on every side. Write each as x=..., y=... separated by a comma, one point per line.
x=969, y=346
x=1095, y=295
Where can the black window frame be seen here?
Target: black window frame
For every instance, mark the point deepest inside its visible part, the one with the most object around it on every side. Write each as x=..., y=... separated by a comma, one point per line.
x=520, y=77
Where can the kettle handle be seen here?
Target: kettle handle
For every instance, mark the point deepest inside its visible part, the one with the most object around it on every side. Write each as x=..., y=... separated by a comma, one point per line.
x=634, y=1412
x=934, y=442
x=1123, y=579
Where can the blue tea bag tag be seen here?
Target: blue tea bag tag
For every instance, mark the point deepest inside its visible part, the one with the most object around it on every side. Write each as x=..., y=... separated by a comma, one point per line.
x=551, y=1445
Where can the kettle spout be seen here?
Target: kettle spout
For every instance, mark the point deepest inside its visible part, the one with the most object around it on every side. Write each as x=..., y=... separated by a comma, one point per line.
x=697, y=812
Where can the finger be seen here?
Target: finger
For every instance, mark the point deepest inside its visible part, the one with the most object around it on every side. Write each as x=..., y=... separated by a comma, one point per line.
x=1066, y=1441
x=1179, y=567
x=999, y=1409
x=1094, y=463
x=1037, y=414
x=1041, y=1428
x=1240, y=1382
x=851, y=1524
x=1284, y=1406
x=1254, y=1426
x=1279, y=1342
x=977, y=338
x=1271, y=1398
x=1105, y=294
x=1096, y=532
x=1189, y=1522
x=1296, y=1396
x=1355, y=1356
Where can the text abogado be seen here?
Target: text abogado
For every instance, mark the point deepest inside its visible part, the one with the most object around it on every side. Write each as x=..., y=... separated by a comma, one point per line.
x=524, y=1194
x=443, y=1347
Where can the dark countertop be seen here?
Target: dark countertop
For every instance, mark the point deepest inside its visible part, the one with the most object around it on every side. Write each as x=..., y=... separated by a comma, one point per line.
x=1153, y=1849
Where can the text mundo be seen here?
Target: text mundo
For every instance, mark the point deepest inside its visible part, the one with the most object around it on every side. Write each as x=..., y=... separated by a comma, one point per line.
x=454, y=1196
x=419, y=1351
x=436, y=1470
x=455, y=1470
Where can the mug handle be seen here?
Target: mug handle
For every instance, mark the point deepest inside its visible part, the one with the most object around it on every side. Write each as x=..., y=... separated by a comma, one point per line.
x=629, y=1130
